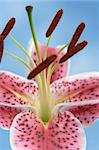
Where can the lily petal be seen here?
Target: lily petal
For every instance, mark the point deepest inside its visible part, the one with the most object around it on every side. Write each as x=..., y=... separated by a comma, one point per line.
x=81, y=95
x=7, y=115
x=86, y=111
x=62, y=70
x=7, y=98
x=26, y=132
x=13, y=91
x=18, y=84
x=63, y=132
x=13, y=88
x=86, y=114
x=80, y=87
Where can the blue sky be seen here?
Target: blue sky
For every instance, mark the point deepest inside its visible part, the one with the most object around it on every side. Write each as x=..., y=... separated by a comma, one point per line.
x=74, y=13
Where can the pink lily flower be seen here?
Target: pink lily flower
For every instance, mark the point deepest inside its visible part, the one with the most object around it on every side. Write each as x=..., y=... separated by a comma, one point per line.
x=79, y=95
x=50, y=111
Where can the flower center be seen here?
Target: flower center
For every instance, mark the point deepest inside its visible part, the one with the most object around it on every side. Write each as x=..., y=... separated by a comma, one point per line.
x=45, y=99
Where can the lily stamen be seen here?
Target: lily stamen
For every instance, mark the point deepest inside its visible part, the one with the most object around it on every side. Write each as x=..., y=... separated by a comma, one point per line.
x=19, y=59
x=53, y=67
x=54, y=22
x=4, y=34
x=76, y=35
x=8, y=28
x=23, y=50
x=73, y=51
x=42, y=66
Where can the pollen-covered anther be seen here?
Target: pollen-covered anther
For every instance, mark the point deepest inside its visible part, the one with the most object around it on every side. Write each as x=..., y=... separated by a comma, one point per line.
x=42, y=66
x=8, y=28
x=73, y=48
x=76, y=35
x=4, y=34
x=54, y=23
x=73, y=51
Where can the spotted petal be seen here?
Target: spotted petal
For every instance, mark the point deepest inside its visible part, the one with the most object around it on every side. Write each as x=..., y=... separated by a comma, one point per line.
x=62, y=69
x=63, y=132
x=86, y=114
x=82, y=89
x=26, y=132
x=7, y=115
x=18, y=84
x=14, y=91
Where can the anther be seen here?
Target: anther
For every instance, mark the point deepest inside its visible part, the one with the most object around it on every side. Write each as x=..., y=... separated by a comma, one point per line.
x=73, y=51
x=54, y=23
x=42, y=66
x=76, y=36
x=73, y=48
x=4, y=34
x=8, y=28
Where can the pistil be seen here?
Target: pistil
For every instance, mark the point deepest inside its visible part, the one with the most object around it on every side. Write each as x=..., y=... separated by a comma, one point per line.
x=44, y=93
x=29, y=12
